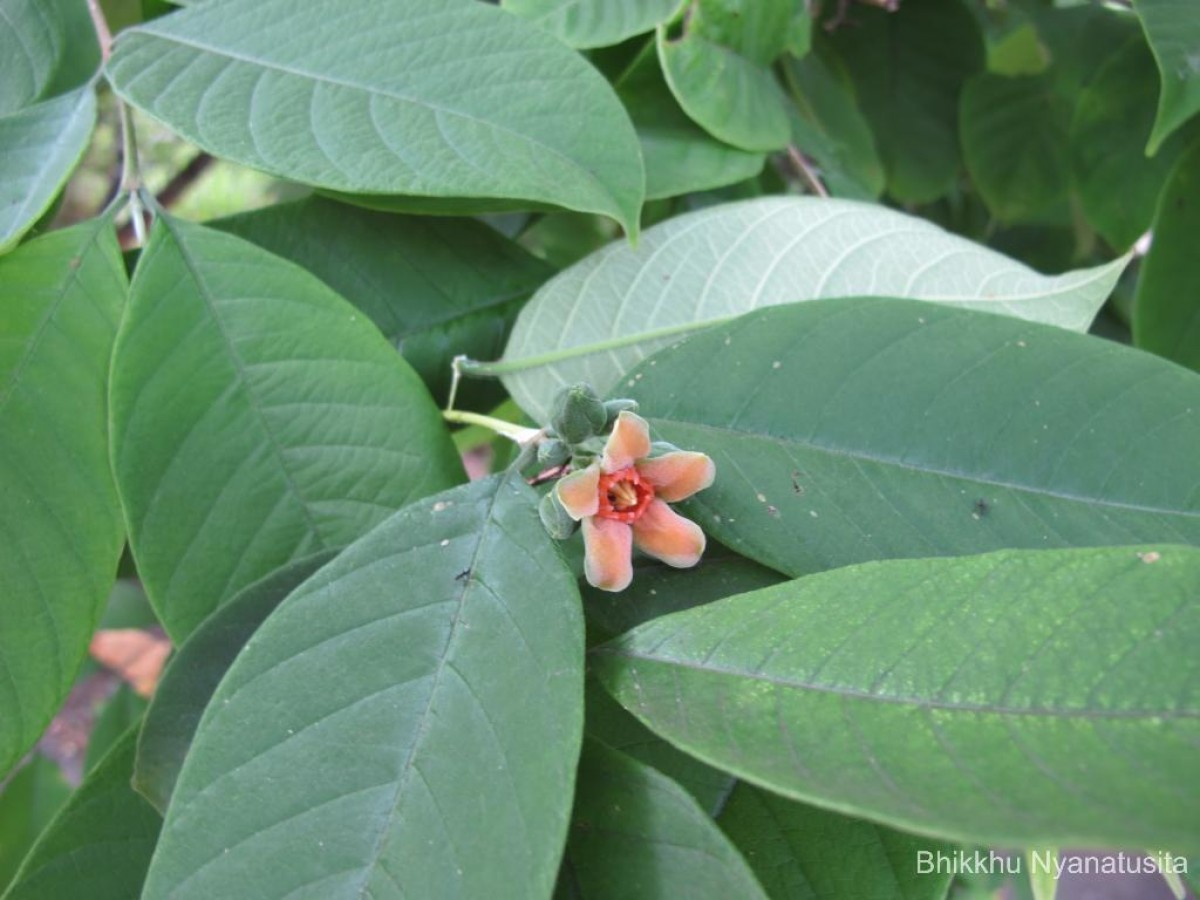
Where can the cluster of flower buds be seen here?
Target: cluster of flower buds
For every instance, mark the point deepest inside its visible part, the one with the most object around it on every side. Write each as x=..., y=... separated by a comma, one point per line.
x=618, y=487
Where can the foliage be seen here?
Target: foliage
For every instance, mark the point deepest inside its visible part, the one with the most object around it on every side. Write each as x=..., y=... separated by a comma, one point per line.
x=920, y=281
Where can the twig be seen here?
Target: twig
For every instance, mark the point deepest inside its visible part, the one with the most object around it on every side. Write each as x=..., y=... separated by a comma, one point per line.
x=806, y=172
x=103, y=34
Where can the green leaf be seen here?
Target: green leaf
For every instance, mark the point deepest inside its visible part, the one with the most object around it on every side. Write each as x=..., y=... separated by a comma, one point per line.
x=28, y=801
x=1017, y=698
x=827, y=125
x=925, y=431
x=598, y=319
x=908, y=68
x=334, y=746
x=60, y=523
x=119, y=713
x=105, y=832
x=659, y=589
x=435, y=287
x=680, y=157
x=719, y=70
x=1118, y=186
x=594, y=23
x=430, y=98
x=41, y=144
x=1173, y=30
x=1014, y=139
x=257, y=418
x=634, y=831
x=195, y=671
x=801, y=852
x=46, y=47
x=1166, y=315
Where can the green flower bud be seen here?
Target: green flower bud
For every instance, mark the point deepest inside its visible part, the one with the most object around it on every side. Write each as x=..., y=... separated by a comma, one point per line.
x=577, y=414
x=614, y=408
x=559, y=525
x=553, y=452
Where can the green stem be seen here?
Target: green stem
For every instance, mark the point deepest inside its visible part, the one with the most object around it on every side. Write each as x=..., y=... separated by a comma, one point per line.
x=503, y=367
x=518, y=433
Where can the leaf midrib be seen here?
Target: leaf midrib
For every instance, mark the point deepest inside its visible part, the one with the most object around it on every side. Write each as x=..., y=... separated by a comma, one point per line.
x=924, y=703
x=860, y=456
x=272, y=66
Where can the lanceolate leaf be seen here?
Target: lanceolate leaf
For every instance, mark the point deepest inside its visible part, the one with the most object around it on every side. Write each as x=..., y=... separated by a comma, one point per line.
x=1173, y=30
x=432, y=98
x=802, y=852
x=194, y=672
x=1166, y=316
x=434, y=287
x=599, y=318
x=330, y=761
x=60, y=523
x=258, y=418
x=857, y=429
x=1016, y=698
x=99, y=843
x=594, y=23
x=635, y=831
x=908, y=67
x=42, y=145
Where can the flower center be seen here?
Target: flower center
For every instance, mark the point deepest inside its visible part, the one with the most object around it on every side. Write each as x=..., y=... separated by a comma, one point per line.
x=624, y=496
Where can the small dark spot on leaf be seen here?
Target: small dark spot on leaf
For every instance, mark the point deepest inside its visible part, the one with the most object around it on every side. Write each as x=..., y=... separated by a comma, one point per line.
x=980, y=509
x=463, y=575
x=796, y=485
x=75, y=262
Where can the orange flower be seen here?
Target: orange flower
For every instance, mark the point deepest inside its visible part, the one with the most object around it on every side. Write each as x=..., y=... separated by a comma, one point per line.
x=622, y=501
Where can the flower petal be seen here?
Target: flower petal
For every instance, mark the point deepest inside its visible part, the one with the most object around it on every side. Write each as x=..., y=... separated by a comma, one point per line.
x=676, y=476
x=666, y=535
x=630, y=440
x=607, y=553
x=579, y=492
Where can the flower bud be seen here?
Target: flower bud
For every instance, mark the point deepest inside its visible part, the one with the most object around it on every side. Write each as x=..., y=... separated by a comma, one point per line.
x=553, y=452
x=558, y=523
x=577, y=414
x=614, y=408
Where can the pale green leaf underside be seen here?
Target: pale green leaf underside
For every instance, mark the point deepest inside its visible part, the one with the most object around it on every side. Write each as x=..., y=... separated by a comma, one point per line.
x=257, y=418
x=330, y=763
x=1017, y=698
x=854, y=429
x=41, y=145
x=1173, y=31
x=434, y=98
x=599, y=318
x=594, y=23
x=60, y=524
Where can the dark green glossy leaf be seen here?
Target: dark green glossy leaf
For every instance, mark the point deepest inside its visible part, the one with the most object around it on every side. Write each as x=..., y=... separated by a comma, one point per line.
x=28, y=801
x=435, y=287
x=857, y=429
x=1173, y=30
x=195, y=671
x=1166, y=315
x=46, y=47
x=1014, y=139
x=1118, y=186
x=60, y=523
x=802, y=852
x=828, y=126
x=680, y=157
x=908, y=68
x=634, y=831
x=594, y=23
x=120, y=713
x=101, y=838
x=427, y=98
x=258, y=418
x=1018, y=698
x=330, y=760
x=719, y=69
x=598, y=319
